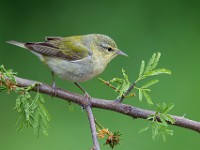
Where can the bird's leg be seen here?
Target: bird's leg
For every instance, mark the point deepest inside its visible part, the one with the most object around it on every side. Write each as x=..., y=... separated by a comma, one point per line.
x=53, y=84
x=86, y=95
x=80, y=87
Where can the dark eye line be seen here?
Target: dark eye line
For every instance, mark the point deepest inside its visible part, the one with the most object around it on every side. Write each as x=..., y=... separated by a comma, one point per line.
x=108, y=48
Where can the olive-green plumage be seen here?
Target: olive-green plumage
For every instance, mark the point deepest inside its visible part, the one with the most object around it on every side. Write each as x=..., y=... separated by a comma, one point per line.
x=75, y=58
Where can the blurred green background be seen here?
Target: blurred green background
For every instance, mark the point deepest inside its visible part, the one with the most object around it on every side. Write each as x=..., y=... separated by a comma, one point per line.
x=140, y=28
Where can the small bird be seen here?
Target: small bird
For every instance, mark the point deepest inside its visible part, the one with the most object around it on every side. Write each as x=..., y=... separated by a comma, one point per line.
x=75, y=58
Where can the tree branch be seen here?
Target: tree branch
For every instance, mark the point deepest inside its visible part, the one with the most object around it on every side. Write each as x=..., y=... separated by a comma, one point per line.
x=106, y=104
x=92, y=127
x=88, y=109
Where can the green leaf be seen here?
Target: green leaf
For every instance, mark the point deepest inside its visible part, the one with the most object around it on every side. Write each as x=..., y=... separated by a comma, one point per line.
x=2, y=88
x=124, y=74
x=155, y=129
x=160, y=128
x=148, y=98
x=27, y=95
x=160, y=108
x=117, y=80
x=144, y=129
x=140, y=95
x=21, y=126
x=169, y=132
x=12, y=78
x=2, y=69
x=156, y=60
x=148, y=84
x=41, y=98
x=8, y=74
x=142, y=68
x=168, y=108
x=163, y=119
x=32, y=112
x=169, y=118
x=158, y=72
x=122, y=83
x=163, y=136
x=151, y=61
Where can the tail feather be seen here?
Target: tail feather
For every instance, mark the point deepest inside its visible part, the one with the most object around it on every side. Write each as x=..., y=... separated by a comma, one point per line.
x=20, y=44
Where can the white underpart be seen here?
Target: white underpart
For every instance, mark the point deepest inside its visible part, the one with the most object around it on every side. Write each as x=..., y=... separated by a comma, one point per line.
x=75, y=71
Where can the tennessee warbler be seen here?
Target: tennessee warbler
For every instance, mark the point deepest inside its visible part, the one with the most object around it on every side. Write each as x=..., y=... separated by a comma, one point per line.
x=75, y=58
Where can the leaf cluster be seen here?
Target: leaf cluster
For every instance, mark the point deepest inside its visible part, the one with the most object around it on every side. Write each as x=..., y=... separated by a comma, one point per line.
x=120, y=85
x=159, y=122
x=148, y=71
x=31, y=110
x=7, y=80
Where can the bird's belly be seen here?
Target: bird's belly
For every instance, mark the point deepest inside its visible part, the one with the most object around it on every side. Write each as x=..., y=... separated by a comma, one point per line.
x=77, y=71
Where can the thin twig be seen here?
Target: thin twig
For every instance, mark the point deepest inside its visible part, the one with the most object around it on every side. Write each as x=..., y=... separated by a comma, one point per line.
x=110, y=85
x=92, y=127
x=107, y=104
x=126, y=93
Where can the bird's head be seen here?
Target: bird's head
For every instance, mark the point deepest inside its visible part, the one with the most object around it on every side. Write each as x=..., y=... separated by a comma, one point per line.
x=106, y=47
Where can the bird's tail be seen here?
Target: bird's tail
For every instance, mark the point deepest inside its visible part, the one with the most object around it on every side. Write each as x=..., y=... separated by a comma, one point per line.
x=23, y=45
x=20, y=44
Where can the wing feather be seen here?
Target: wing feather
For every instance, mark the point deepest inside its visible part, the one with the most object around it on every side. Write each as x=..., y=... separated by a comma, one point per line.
x=68, y=49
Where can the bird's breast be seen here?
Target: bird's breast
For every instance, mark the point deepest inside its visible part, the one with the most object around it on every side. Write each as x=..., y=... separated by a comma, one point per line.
x=76, y=71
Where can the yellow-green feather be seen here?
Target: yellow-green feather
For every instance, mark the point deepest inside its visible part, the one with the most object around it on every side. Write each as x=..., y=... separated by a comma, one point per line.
x=71, y=46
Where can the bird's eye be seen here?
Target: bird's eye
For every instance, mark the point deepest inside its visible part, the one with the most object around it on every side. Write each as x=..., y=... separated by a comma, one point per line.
x=109, y=49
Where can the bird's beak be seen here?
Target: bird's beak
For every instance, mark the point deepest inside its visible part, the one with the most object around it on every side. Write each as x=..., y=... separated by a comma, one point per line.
x=121, y=53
